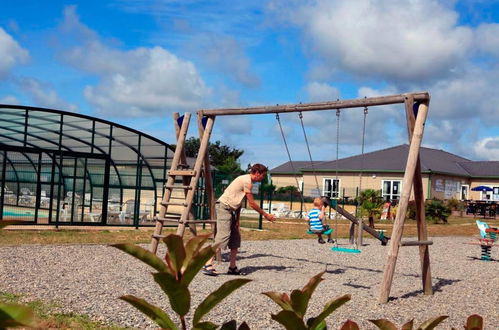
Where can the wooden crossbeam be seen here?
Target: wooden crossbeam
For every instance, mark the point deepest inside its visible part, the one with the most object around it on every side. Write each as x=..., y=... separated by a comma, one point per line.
x=340, y=104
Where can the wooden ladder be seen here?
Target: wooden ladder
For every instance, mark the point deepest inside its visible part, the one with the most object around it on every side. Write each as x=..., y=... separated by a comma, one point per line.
x=190, y=179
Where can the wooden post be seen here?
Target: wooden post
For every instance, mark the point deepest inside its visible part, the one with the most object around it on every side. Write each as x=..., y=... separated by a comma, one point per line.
x=203, y=149
x=171, y=180
x=424, y=250
x=410, y=169
x=183, y=159
x=207, y=171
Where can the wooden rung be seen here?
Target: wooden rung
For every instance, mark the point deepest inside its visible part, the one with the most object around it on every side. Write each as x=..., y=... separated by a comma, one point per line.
x=178, y=187
x=200, y=221
x=173, y=203
x=415, y=243
x=174, y=219
x=182, y=172
x=158, y=236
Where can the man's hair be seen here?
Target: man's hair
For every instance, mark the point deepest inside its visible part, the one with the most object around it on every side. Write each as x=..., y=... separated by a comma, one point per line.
x=258, y=168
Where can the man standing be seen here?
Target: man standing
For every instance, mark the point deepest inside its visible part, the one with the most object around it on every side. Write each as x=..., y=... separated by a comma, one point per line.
x=228, y=209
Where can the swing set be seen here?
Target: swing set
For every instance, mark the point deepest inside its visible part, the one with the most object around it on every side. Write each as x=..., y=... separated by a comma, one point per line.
x=185, y=180
x=356, y=221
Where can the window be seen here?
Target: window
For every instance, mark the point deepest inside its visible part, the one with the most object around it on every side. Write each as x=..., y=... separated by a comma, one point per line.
x=391, y=190
x=495, y=194
x=331, y=188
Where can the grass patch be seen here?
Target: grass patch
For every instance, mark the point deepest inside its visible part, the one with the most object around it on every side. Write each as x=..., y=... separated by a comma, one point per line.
x=281, y=229
x=55, y=320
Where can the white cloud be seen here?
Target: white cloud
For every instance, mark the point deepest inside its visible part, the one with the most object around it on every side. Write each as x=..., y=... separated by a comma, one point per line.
x=388, y=39
x=137, y=82
x=473, y=94
x=318, y=92
x=44, y=95
x=9, y=99
x=487, y=148
x=11, y=53
x=487, y=38
x=224, y=53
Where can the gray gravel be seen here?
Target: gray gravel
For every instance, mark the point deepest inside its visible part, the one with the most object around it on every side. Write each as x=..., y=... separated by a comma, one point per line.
x=89, y=278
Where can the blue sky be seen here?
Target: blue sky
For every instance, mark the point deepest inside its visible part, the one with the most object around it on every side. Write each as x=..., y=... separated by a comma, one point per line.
x=137, y=61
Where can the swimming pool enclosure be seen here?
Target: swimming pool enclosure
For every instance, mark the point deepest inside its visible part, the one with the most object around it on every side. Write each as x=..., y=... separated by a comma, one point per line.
x=63, y=168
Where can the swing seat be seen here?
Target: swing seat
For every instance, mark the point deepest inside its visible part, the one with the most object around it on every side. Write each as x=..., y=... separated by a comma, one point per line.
x=326, y=232
x=339, y=249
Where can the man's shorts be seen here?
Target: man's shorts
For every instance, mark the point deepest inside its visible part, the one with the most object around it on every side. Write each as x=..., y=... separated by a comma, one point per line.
x=228, y=234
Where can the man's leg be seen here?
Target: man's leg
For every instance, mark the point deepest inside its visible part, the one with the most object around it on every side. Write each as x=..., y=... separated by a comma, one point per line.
x=233, y=256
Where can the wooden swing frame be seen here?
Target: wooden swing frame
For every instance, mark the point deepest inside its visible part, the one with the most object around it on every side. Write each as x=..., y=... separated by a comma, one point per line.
x=416, y=119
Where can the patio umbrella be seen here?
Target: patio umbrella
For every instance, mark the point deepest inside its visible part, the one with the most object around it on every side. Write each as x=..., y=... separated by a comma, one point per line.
x=482, y=188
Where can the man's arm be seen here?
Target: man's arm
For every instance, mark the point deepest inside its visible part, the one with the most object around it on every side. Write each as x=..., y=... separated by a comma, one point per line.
x=254, y=206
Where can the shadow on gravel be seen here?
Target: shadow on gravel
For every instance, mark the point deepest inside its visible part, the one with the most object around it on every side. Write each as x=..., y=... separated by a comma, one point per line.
x=251, y=269
x=437, y=287
x=265, y=255
x=357, y=286
x=480, y=259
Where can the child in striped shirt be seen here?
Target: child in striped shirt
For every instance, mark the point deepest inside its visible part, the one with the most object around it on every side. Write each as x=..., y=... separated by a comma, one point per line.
x=315, y=217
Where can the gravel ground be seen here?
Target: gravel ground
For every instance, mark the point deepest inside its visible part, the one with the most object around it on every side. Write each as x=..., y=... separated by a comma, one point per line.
x=89, y=278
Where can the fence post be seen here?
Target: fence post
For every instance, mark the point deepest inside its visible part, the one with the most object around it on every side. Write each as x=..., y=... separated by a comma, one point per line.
x=261, y=206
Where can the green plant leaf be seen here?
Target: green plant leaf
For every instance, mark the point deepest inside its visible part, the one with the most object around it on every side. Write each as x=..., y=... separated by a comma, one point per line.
x=384, y=324
x=243, y=326
x=432, y=323
x=330, y=307
x=216, y=296
x=282, y=299
x=474, y=322
x=196, y=263
x=231, y=325
x=5, y=223
x=15, y=315
x=153, y=312
x=321, y=326
x=350, y=325
x=176, y=253
x=289, y=320
x=178, y=293
x=309, y=288
x=408, y=326
x=299, y=302
x=205, y=326
x=143, y=255
x=191, y=248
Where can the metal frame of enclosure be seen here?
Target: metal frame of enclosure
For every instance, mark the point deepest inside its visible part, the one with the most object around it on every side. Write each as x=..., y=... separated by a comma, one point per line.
x=63, y=168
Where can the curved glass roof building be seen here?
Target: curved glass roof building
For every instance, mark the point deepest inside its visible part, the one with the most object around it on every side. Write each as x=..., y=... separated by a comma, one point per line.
x=62, y=168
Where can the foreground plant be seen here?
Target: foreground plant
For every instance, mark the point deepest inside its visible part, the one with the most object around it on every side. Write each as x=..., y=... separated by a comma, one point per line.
x=174, y=276
x=426, y=325
x=295, y=306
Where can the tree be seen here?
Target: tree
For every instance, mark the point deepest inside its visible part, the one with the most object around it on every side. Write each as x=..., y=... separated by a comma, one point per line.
x=218, y=153
x=290, y=189
x=230, y=166
x=370, y=202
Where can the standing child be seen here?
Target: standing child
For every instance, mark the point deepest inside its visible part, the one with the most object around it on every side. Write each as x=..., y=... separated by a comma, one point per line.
x=315, y=217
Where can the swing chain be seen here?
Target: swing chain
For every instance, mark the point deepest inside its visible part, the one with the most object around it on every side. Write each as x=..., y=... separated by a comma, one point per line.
x=289, y=157
x=300, y=115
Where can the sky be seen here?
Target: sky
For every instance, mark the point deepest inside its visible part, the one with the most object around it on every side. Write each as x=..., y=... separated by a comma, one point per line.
x=135, y=62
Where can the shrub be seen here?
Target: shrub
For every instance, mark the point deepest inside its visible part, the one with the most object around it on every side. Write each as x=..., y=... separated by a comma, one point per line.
x=435, y=210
